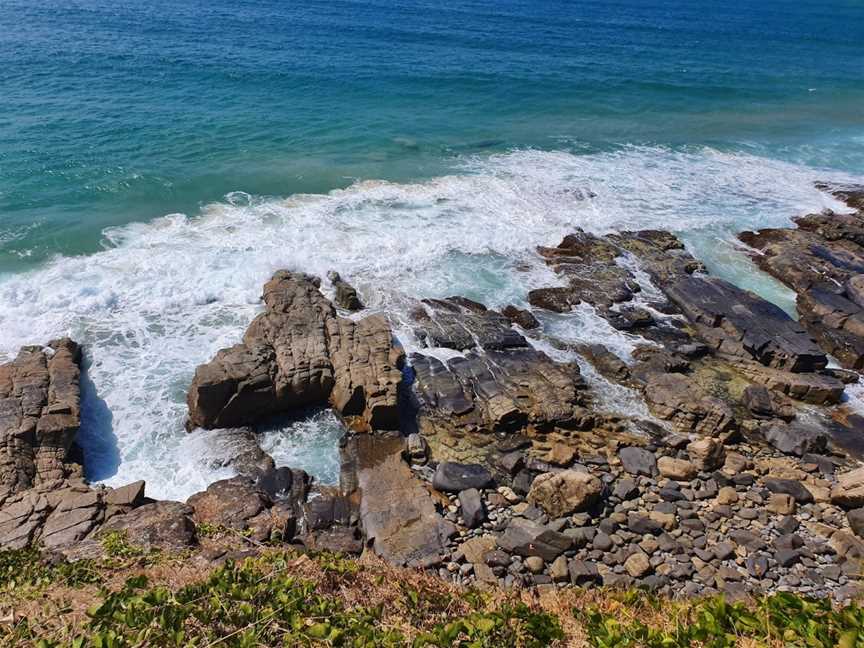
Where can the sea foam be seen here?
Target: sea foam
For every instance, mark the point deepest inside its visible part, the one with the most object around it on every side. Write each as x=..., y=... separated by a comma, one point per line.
x=164, y=296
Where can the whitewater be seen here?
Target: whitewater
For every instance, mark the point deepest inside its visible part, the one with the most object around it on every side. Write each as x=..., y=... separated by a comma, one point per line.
x=163, y=296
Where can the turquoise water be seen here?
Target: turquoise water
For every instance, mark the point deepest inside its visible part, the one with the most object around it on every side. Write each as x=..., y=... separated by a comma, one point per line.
x=158, y=160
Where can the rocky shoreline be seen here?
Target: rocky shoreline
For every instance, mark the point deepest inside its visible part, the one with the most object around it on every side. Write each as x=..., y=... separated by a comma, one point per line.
x=495, y=464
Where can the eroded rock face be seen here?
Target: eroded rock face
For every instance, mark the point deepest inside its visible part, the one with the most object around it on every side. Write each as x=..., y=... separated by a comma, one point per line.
x=496, y=391
x=299, y=353
x=461, y=324
x=675, y=398
x=822, y=261
x=39, y=416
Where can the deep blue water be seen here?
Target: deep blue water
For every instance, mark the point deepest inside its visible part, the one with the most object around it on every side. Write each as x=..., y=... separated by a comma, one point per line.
x=158, y=160
x=113, y=112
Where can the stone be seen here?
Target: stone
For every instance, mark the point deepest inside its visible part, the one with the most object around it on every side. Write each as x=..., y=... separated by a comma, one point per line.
x=559, y=569
x=345, y=295
x=417, y=449
x=534, y=564
x=625, y=489
x=476, y=549
x=849, y=490
x=727, y=495
x=638, y=461
x=397, y=513
x=527, y=538
x=678, y=399
x=454, y=477
x=565, y=492
x=789, y=487
x=162, y=524
x=677, y=469
x=638, y=565
x=707, y=453
x=856, y=521
x=521, y=317
x=560, y=454
x=473, y=510
x=583, y=573
x=796, y=438
x=781, y=504
x=229, y=503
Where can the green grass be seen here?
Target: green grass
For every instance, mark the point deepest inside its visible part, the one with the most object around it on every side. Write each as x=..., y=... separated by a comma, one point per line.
x=780, y=619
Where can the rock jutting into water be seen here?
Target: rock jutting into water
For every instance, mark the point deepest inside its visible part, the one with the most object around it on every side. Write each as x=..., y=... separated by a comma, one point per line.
x=500, y=465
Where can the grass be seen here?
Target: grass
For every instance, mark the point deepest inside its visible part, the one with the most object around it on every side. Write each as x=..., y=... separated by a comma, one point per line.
x=287, y=598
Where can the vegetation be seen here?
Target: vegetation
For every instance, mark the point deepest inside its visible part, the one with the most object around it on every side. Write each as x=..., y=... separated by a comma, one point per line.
x=285, y=598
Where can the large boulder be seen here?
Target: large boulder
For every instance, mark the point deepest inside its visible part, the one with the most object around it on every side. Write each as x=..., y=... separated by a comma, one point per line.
x=565, y=492
x=163, y=525
x=296, y=353
x=39, y=416
x=455, y=477
x=848, y=492
x=796, y=438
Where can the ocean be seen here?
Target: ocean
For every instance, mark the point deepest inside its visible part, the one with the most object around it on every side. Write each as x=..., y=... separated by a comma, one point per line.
x=159, y=160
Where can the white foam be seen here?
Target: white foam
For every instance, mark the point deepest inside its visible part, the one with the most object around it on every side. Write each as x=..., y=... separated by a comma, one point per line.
x=165, y=295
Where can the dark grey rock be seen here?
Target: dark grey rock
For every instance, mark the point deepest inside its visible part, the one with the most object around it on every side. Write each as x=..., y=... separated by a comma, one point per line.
x=638, y=461
x=789, y=487
x=454, y=477
x=473, y=511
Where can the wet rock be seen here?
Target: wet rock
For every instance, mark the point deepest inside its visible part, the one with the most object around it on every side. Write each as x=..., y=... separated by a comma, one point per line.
x=796, y=438
x=638, y=461
x=460, y=324
x=345, y=295
x=676, y=398
x=527, y=538
x=521, y=317
x=565, y=492
x=454, y=477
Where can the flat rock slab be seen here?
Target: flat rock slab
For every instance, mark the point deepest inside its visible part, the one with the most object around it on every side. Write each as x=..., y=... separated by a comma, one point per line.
x=455, y=477
x=459, y=323
x=397, y=513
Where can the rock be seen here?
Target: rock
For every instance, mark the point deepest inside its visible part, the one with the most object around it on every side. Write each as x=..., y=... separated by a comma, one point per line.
x=345, y=295
x=163, y=525
x=740, y=323
x=796, y=438
x=638, y=565
x=625, y=489
x=727, y=495
x=638, y=461
x=565, y=492
x=397, y=513
x=523, y=318
x=237, y=448
x=496, y=391
x=240, y=504
x=781, y=504
x=535, y=564
x=473, y=511
x=791, y=487
x=560, y=454
x=417, y=449
x=454, y=477
x=344, y=540
x=461, y=324
x=528, y=538
x=849, y=490
x=583, y=573
x=39, y=416
x=643, y=525
x=299, y=353
x=757, y=399
x=559, y=570
x=677, y=469
x=130, y=495
x=477, y=548
x=856, y=521
x=706, y=454
x=676, y=398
